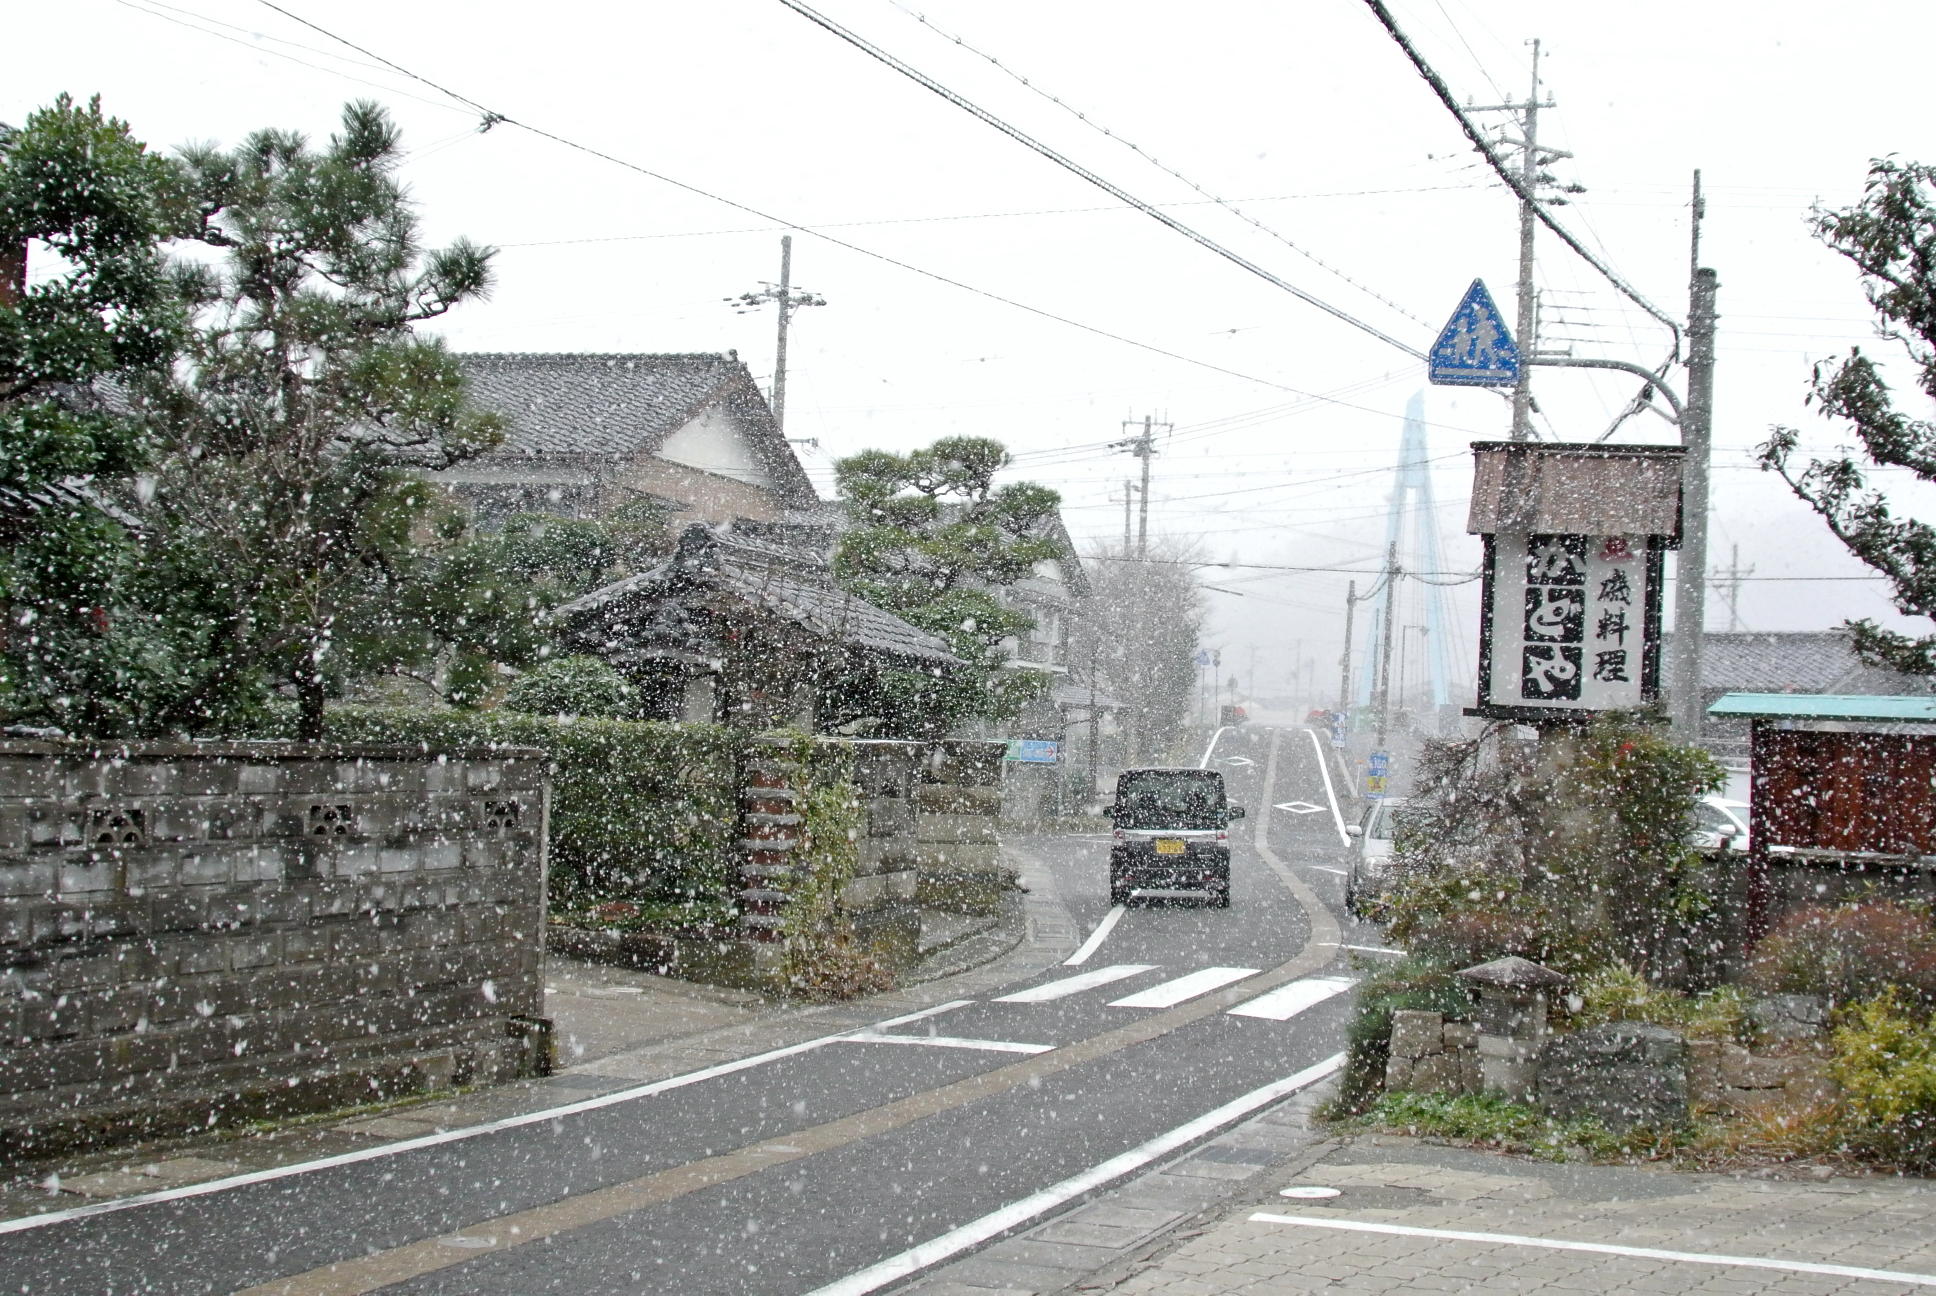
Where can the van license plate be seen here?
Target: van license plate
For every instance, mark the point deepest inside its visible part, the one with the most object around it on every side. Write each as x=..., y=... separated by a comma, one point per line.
x=1169, y=846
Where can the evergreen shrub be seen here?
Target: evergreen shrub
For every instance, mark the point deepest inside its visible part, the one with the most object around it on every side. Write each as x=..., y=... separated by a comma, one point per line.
x=1885, y=1061
x=1849, y=952
x=643, y=814
x=571, y=687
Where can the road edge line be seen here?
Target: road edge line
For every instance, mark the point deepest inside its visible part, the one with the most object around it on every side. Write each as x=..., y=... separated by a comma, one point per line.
x=997, y=1222
x=1337, y=816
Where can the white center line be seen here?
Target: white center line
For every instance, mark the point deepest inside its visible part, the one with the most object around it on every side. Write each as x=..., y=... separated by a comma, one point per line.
x=948, y=1041
x=1171, y=993
x=1096, y=938
x=1077, y=984
x=1604, y=1248
x=1287, y=1001
x=998, y=1222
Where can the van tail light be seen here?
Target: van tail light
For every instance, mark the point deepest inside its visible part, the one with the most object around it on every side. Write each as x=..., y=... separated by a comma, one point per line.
x=1222, y=836
x=1119, y=837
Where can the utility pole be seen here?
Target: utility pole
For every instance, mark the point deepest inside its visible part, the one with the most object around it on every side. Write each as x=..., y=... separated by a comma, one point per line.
x=1392, y=573
x=1697, y=435
x=1730, y=580
x=1344, y=661
x=1532, y=160
x=1144, y=448
x=1129, y=493
x=789, y=301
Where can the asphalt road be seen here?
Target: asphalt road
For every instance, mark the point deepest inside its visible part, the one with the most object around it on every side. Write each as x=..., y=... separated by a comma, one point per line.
x=807, y=1169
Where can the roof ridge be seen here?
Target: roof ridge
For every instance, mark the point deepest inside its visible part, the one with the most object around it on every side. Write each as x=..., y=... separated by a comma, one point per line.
x=716, y=357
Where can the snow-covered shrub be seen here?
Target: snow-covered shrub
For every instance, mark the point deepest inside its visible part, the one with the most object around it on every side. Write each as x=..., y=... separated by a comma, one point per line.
x=573, y=687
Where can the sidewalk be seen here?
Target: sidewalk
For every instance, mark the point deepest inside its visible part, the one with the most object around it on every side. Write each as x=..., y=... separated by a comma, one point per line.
x=1276, y=1206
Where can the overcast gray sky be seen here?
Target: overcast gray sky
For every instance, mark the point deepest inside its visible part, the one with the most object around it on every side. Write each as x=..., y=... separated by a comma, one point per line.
x=1304, y=115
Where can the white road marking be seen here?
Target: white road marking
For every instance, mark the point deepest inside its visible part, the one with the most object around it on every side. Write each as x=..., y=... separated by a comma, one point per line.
x=1238, y=761
x=1373, y=949
x=995, y=1223
x=1298, y=807
x=1326, y=868
x=1205, y=762
x=946, y=1041
x=1287, y=1001
x=1171, y=993
x=1096, y=938
x=1077, y=984
x=1330, y=793
x=26, y=1222
x=1604, y=1248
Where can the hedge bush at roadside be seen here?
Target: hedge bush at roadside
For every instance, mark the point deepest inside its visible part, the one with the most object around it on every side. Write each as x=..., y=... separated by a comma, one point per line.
x=644, y=813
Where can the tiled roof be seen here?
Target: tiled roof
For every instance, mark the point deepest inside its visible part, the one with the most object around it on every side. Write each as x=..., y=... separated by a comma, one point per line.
x=568, y=404
x=786, y=582
x=1811, y=661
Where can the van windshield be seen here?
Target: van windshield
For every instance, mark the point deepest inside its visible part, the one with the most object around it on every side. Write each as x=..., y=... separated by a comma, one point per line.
x=1179, y=799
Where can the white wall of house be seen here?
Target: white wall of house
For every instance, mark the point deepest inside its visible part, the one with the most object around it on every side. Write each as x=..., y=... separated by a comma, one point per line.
x=713, y=442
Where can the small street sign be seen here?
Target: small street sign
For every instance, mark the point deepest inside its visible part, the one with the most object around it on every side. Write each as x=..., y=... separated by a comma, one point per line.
x=1377, y=774
x=1475, y=348
x=1032, y=751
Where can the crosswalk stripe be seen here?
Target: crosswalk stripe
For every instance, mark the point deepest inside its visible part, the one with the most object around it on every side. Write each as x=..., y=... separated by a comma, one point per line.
x=1076, y=984
x=1287, y=1001
x=1173, y=992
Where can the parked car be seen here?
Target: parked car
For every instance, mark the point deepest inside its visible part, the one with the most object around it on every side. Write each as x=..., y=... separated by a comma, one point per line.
x=1719, y=822
x=1370, y=873
x=1172, y=833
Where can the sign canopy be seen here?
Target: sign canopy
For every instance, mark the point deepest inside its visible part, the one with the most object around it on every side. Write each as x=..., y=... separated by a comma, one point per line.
x=1475, y=348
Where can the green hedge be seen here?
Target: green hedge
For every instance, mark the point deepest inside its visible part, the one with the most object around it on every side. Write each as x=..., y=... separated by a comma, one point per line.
x=640, y=812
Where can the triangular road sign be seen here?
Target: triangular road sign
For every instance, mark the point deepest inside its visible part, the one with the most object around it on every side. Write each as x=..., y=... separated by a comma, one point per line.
x=1475, y=349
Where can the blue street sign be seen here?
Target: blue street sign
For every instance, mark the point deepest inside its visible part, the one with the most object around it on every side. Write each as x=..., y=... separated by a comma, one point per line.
x=1032, y=751
x=1203, y=657
x=1475, y=349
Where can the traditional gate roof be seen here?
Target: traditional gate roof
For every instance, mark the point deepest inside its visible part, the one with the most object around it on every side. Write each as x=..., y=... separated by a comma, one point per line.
x=792, y=584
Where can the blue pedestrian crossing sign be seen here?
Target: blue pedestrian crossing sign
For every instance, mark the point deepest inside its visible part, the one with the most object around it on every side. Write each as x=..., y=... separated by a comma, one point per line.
x=1475, y=349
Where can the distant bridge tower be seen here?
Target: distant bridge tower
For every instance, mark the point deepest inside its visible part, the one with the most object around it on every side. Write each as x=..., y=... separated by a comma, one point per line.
x=1422, y=619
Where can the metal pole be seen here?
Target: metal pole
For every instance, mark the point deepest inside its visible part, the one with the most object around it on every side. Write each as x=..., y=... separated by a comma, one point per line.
x=1142, y=523
x=1129, y=493
x=1344, y=662
x=1522, y=411
x=779, y=354
x=1392, y=573
x=1095, y=732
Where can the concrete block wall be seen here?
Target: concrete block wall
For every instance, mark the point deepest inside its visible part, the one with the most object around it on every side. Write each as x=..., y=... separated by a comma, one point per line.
x=959, y=803
x=197, y=932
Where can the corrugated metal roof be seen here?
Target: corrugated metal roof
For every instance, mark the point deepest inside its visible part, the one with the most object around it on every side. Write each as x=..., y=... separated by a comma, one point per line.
x=1575, y=489
x=1827, y=706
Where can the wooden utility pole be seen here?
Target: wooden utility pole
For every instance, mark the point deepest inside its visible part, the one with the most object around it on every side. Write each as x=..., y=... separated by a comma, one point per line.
x=1144, y=448
x=788, y=301
x=1344, y=662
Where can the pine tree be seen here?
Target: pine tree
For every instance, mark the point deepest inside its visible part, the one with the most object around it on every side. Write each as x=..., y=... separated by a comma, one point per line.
x=933, y=540
x=92, y=208
x=1890, y=236
x=286, y=511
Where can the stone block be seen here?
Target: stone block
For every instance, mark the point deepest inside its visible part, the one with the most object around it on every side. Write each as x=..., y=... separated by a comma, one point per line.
x=207, y=866
x=864, y=893
x=25, y=877
x=1439, y=1073
x=955, y=828
x=888, y=816
x=965, y=857
x=903, y=885
x=207, y=776
x=950, y=798
x=884, y=855
x=1629, y=1075
x=1741, y=1069
x=90, y=874
x=1461, y=1035
x=1781, y=1018
x=258, y=779
x=1416, y=1034
x=13, y=829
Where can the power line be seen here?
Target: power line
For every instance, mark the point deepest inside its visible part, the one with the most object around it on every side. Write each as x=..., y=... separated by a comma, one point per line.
x=1166, y=169
x=490, y=118
x=1505, y=173
x=1075, y=168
